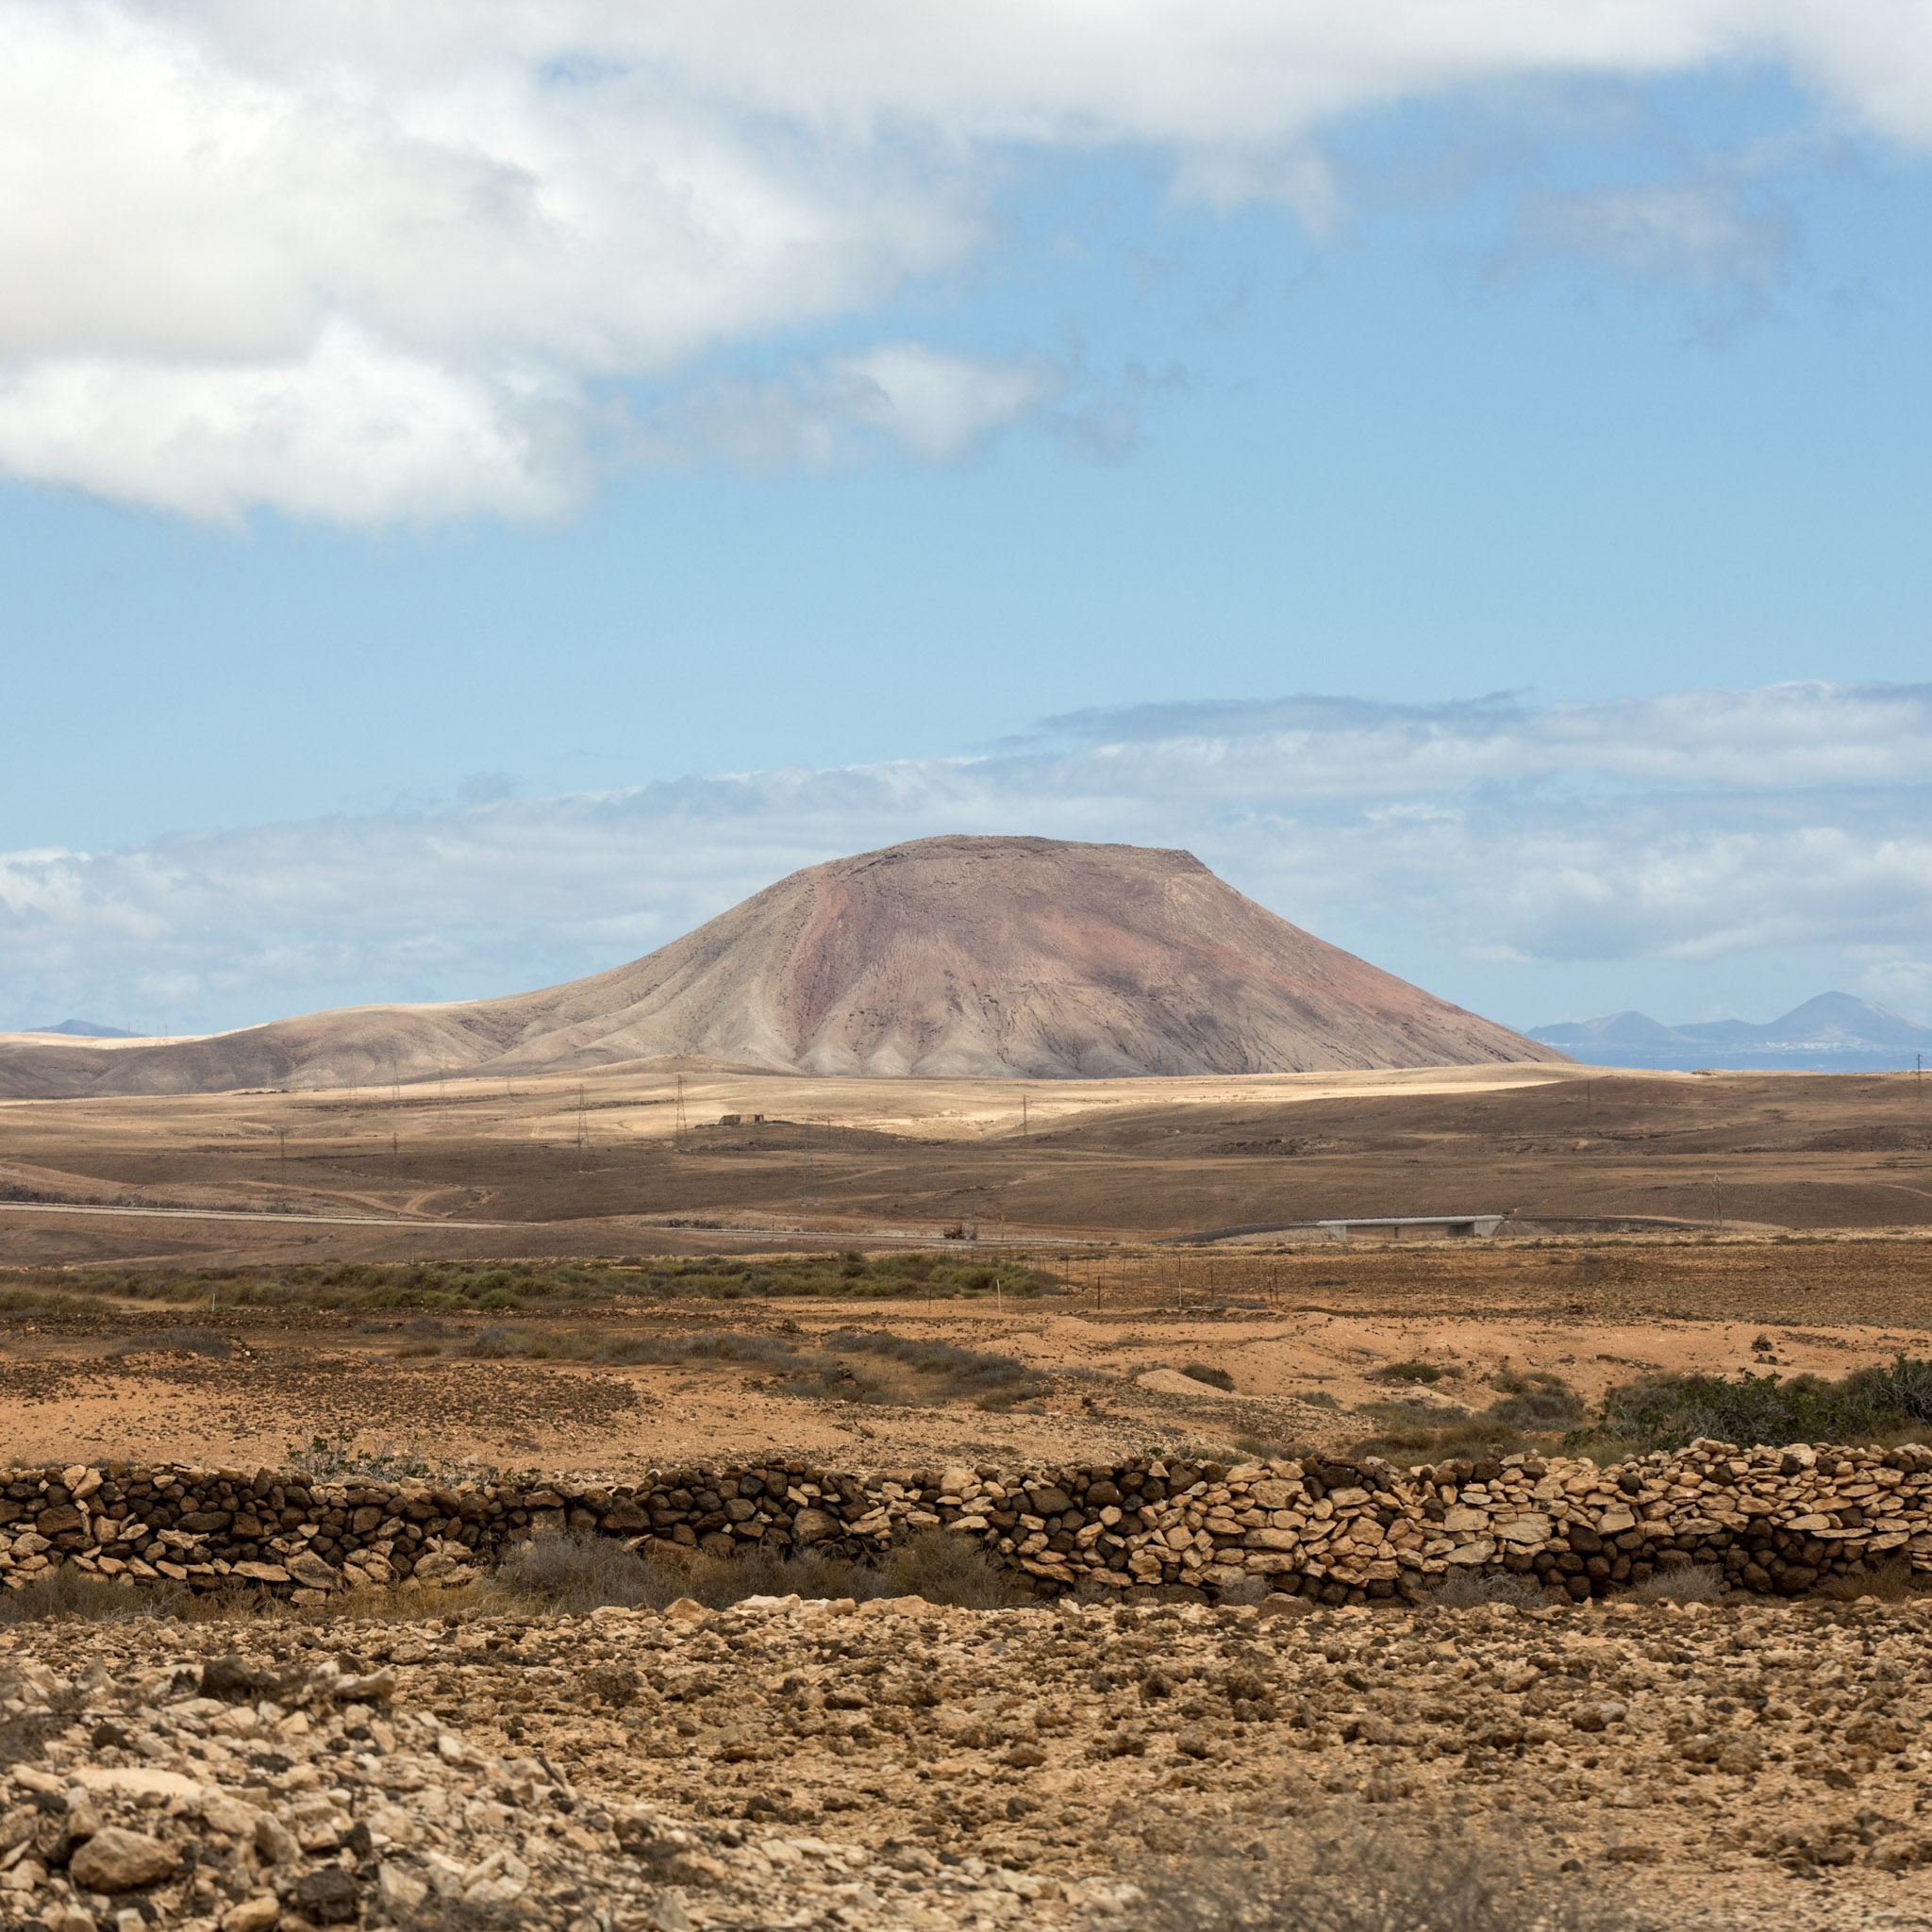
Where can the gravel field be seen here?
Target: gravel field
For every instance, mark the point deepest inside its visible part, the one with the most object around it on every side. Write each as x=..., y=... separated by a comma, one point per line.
x=894, y=1764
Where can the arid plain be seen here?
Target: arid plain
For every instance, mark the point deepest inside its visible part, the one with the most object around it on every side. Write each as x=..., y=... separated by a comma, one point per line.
x=1658, y=1223
x=561, y=1278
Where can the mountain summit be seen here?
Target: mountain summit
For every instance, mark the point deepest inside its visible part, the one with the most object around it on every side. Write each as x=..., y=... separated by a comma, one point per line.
x=950, y=957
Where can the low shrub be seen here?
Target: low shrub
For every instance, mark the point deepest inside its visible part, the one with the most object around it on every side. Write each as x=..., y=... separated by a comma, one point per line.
x=1890, y=1582
x=1215, y=1378
x=68, y=1595
x=1409, y=1371
x=1684, y=1583
x=567, y=1572
x=1346, y=1873
x=1868, y=1404
x=1465, y=1593
x=175, y=1341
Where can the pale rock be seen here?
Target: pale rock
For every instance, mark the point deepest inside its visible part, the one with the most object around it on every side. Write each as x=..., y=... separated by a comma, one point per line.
x=117, y=1860
x=399, y=1890
x=139, y=1781
x=274, y=1844
x=308, y=1568
x=1526, y=1530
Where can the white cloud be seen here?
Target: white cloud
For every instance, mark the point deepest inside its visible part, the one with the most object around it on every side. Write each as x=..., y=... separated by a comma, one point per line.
x=413, y=243
x=905, y=396
x=1696, y=826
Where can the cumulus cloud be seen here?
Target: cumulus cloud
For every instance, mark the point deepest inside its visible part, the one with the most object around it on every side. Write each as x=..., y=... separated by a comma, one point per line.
x=1697, y=825
x=257, y=253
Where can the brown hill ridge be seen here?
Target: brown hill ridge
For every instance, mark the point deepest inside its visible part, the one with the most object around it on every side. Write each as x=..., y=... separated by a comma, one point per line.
x=1037, y=957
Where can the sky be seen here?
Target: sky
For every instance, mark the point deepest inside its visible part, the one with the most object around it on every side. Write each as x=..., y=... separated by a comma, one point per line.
x=483, y=489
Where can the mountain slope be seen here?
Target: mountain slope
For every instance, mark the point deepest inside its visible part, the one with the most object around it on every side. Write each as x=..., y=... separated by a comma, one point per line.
x=944, y=957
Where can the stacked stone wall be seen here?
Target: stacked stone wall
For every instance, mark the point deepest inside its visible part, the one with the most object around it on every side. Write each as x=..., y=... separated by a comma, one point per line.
x=1775, y=1521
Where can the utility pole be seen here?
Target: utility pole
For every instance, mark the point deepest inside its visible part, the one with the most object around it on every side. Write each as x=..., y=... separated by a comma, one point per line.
x=681, y=1128
x=282, y=1135
x=1025, y=1133
x=583, y=1128
x=1717, y=1201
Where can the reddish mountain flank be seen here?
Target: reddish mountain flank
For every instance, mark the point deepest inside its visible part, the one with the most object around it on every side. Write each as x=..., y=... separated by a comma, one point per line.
x=952, y=957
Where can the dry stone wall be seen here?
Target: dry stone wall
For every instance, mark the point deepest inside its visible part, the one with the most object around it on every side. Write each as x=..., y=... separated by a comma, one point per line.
x=1774, y=1519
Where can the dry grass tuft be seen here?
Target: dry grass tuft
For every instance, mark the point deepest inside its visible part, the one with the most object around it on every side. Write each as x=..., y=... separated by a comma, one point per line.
x=1357, y=1877
x=68, y=1595
x=1891, y=1583
x=1686, y=1583
x=1468, y=1593
x=570, y=1573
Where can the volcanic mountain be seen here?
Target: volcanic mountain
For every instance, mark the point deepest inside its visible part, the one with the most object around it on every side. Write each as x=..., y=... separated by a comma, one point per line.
x=1036, y=957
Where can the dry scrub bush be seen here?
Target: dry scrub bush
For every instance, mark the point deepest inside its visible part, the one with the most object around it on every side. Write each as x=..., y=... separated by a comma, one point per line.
x=1467, y=1592
x=568, y=1572
x=68, y=1594
x=1369, y=1879
x=179, y=1340
x=1684, y=1583
x=1215, y=1378
x=1891, y=1583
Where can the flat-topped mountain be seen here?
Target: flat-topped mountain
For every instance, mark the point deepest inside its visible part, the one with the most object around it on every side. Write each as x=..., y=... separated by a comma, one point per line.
x=1037, y=957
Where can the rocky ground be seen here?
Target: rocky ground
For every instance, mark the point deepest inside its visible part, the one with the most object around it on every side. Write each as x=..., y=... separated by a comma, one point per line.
x=790, y=1763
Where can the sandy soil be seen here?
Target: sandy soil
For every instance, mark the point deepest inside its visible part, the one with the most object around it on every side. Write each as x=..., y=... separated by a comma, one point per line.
x=1305, y=1377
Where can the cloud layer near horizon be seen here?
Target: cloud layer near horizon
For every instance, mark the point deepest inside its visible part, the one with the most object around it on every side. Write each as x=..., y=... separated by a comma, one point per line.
x=1694, y=826
x=370, y=264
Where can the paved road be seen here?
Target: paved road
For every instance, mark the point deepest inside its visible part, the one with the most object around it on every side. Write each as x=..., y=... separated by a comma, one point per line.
x=234, y=1214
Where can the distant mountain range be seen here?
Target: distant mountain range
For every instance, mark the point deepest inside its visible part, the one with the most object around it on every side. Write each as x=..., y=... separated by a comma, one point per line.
x=1835, y=1032
x=87, y=1030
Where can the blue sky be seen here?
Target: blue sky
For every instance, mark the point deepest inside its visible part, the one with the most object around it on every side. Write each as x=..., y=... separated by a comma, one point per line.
x=405, y=618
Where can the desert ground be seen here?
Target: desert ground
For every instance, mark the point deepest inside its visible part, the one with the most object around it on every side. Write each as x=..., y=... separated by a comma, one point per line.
x=602, y=1165
x=1163, y=1224
x=565, y=1279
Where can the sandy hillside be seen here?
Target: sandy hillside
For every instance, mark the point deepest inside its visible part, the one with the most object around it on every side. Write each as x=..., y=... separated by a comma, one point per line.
x=945, y=956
